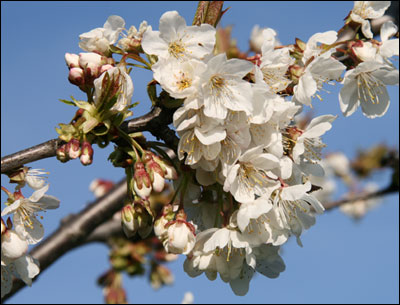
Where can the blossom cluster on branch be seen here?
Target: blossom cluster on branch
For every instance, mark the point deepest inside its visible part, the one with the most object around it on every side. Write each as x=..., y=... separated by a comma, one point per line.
x=246, y=174
x=22, y=228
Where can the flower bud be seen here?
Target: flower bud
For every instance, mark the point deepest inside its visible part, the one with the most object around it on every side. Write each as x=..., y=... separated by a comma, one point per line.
x=181, y=237
x=73, y=148
x=160, y=275
x=106, y=67
x=100, y=187
x=72, y=60
x=87, y=153
x=159, y=225
x=169, y=170
x=62, y=154
x=129, y=223
x=76, y=76
x=91, y=63
x=155, y=171
x=142, y=181
x=12, y=245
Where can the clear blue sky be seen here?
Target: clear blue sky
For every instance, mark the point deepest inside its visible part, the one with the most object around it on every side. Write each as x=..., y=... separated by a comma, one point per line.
x=341, y=262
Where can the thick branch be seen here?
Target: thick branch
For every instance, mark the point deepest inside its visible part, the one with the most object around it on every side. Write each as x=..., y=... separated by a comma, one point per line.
x=75, y=230
x=156, y=122
x=386, y=191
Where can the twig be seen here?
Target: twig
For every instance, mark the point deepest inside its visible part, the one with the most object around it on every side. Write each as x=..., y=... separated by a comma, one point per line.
x=156, y=121
x=386, y=191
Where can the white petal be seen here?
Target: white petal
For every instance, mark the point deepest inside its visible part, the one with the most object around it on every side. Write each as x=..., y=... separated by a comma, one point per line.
x=49, y=202
x=240, y=285
x=388, y=29
x=305, y=89
x=35, y=197
x=348, y=97
x=27, y=268
x=379, y=107
x=170, y=24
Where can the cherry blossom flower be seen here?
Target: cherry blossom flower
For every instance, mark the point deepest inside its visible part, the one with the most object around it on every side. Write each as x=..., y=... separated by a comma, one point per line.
x=176, y=40
x=364, y=10
x=365, y=85
x=99, y=39
x=223, y=87
x=296, y=208
x=25, y=210
x=24, y=268
x=250, y=176
x=122, y=85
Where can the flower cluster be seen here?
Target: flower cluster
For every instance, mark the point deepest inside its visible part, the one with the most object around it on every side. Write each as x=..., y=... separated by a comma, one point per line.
x=24, y=228
x=247, y=167
x=251, y=162
x=364, y=84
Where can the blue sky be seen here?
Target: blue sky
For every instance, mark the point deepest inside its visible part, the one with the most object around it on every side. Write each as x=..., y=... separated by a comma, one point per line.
x=341, y=262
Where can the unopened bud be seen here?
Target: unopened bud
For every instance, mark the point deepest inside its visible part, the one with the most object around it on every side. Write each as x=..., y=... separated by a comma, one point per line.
x=155, y=171
x=100, y=187
x=87, y=153
x=142, y=181
x=169, y=170
x=91, y=64
x=104, y=68
x=62, y=154
x=160, y=275
x=159, y=225
x=72, y=60
x=73, y=148
x=129, y=223
x=76, y=76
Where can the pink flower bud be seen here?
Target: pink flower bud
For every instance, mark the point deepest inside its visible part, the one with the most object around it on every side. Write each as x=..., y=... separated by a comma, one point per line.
x=104, y=68
x=62, y=154
x=76, y=76
x=100, y=187
x=73, y=148
x=87, y=153
x=72, y=60
x=91, y=64
x=155, y=171
x=142, y=181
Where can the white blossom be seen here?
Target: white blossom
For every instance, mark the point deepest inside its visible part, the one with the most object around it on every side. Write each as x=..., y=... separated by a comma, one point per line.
x=176, y=40
x=364, y=10
x=223, y=87
x=121, y=82
x=365, y=85
x=25, y=210
x=99, y=39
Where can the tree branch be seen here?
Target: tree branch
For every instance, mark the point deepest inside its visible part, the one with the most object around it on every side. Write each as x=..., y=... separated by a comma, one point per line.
x=156, y=121
x=335, y=204
x=75, y=230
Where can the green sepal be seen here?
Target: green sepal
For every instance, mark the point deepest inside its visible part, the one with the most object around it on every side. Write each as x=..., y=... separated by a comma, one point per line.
x=116, y=50
x=67, y=132
x=67, y=102
x=152, y=92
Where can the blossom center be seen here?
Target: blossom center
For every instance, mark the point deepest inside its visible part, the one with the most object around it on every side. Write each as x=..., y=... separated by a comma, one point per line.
x=369, y=88
x=184, y=82
x=176, y=49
